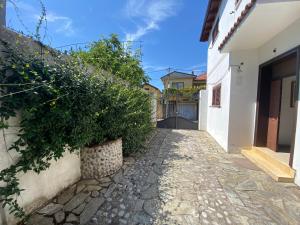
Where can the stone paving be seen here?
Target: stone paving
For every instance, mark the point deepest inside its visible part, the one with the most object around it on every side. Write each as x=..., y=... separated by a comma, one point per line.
x=183, y=178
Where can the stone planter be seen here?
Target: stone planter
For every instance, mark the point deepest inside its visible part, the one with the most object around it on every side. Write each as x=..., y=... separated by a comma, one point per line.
x=102, y=160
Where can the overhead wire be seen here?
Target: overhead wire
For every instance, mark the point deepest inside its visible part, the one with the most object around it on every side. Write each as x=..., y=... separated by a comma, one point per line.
x=23, y=91
x=24, y=84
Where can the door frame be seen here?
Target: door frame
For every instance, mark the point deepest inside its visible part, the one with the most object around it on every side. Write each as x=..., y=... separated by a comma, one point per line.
x=296, y=51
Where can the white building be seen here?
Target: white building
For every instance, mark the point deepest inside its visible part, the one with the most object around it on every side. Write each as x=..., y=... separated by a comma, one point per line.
x=253, y=76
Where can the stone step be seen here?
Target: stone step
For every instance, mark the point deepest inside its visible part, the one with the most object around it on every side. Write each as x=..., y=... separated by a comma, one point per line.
x=274, y=166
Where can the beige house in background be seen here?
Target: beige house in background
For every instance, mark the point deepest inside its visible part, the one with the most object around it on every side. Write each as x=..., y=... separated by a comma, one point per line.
x=156, y=95
x=185, y=103
x=178, y=80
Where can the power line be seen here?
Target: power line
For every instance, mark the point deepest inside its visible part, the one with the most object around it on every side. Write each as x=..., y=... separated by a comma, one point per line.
x=24, y=84
x=154, y=71
x=73, y=44
x=91, y=42
x=18, y=92
x=169, y=70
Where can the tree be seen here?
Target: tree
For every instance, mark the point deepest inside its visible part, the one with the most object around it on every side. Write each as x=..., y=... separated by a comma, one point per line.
x=110, y=55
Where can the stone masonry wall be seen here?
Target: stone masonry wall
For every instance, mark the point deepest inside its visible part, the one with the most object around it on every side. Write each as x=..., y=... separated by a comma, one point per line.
x=40, y=188
x=102, y=160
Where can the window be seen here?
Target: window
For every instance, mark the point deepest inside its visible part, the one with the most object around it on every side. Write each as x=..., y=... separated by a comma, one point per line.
x=178, y=85
x=216, y=98
x=215, y=31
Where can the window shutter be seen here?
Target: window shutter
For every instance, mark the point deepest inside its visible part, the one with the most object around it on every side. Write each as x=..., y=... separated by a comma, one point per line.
x=216, y=98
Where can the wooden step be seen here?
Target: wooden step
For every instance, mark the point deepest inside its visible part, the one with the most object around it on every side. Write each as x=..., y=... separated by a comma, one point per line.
x=269, y=162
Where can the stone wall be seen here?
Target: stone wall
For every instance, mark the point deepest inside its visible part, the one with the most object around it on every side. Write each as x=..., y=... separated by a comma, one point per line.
x=102, y=160
x=41, y=188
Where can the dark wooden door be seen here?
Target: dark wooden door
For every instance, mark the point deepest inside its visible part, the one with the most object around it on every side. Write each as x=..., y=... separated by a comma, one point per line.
x=274, y=114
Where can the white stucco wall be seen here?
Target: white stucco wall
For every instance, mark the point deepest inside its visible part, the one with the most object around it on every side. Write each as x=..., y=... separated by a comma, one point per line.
x=39, y=188
x=283, y=42
x=219, y=71
x=233, y=124
x=286, y=40
x=218, y=117
x=242, y=99
x=287, y=114
x=202, y=113
x=296, y=163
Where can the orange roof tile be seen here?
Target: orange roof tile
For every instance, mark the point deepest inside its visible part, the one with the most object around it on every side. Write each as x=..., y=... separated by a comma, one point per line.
x=201, y=77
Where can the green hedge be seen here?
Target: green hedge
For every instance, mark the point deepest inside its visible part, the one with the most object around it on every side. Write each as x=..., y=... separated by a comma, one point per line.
x=63, y=104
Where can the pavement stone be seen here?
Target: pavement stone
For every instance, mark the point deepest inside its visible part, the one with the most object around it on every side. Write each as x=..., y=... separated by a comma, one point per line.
x=50, y=209
x=59, y=216
x=76, y=201
x=184, y=177
x=91, y=209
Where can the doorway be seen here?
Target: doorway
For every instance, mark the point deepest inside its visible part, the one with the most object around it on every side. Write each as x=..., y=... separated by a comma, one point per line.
x=276, y=105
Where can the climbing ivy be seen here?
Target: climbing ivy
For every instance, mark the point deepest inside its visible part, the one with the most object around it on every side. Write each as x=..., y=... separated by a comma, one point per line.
x=63, y=106
x=190, y=93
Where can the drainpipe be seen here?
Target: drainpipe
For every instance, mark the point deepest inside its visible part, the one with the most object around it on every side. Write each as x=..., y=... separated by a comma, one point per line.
x=2, y=13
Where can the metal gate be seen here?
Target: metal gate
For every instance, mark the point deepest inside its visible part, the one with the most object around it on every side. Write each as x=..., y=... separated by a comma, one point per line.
x=177, y=122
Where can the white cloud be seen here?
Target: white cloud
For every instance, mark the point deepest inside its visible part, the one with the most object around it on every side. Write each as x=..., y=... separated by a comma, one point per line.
x=30, y=14
x=198, y=67
x=62, y=24
x=150, y=67
x=150, y=14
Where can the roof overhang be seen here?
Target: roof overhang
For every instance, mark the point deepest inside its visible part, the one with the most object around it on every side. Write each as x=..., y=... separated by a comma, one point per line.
x=259, y=22
x=210, y=17
x=178, y=75
x=151, y=86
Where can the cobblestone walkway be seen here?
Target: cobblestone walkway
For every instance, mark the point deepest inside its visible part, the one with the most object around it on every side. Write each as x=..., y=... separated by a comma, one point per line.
x=184, y=178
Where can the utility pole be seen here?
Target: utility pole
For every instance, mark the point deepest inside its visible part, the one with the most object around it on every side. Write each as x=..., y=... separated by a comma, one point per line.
x=2, y=13
x=141, y=50
x=167, y=94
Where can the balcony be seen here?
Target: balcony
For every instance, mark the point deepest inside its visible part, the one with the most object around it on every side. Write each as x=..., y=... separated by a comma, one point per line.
x=259, y=22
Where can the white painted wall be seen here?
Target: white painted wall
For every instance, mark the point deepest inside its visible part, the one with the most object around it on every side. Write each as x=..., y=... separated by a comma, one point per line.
x=296, y=163
x=286, y=40
x=218, y=71
x=39, y=188
x=287, y=114
x=283, y=42
x=202, y=112
x=242, y=99
x=218, y=117
x=244, y=84
x=233, y=124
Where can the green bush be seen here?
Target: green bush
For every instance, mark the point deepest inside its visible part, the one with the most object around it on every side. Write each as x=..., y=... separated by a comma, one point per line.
x=64, y=105
x=112, y=56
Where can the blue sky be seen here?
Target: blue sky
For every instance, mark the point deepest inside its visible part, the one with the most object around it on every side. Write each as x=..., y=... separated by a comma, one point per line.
x=167, y=30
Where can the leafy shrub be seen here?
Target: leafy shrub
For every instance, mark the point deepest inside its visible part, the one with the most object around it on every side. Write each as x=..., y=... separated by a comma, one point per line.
x=110, y=55
x=64, y=105
x=133, y=113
